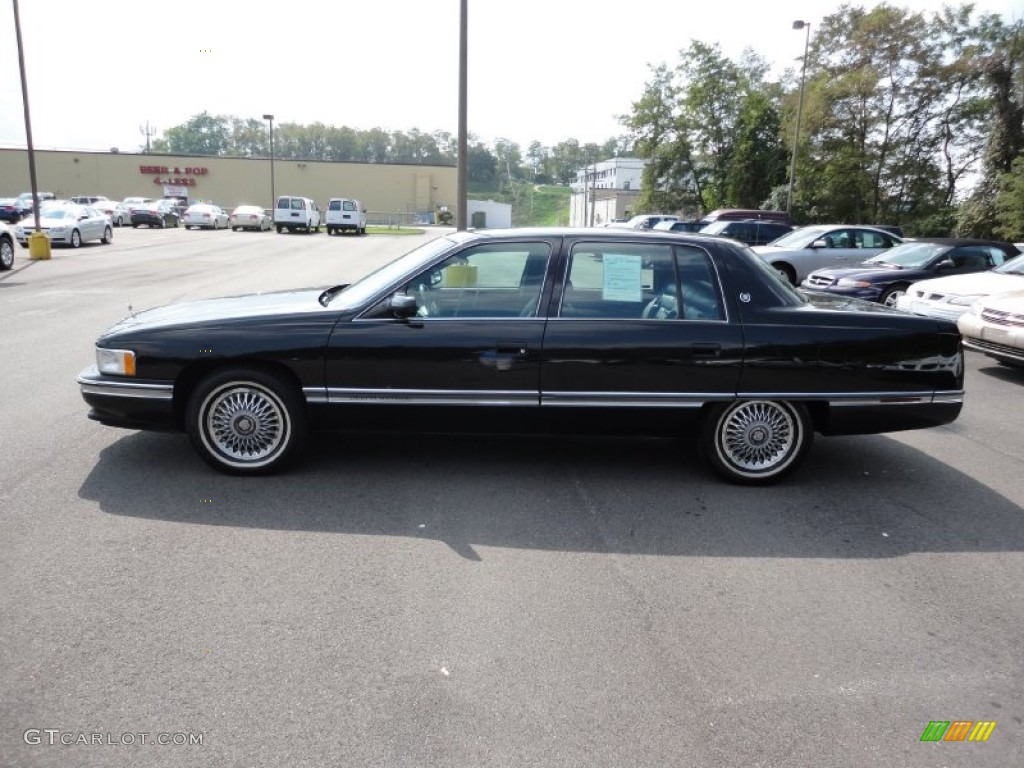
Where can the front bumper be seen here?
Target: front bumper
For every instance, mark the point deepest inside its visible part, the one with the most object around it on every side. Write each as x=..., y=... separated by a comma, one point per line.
x=931, y=309
x=121, y=402
x=867, y=294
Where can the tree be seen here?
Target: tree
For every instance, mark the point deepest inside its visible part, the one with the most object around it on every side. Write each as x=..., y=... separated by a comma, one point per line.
x=203, y=134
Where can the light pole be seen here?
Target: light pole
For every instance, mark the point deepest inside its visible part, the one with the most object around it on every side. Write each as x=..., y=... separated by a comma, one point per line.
x=273, y=199
x=39, y=242
x=799, y=113
x=462, y=169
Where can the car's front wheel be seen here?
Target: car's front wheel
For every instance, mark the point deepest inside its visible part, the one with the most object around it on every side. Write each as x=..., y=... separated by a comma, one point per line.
x=891, y=296
x=108, y=236
x=6, y=253
x=755, y=442
x=76, y=238
x=246, y=421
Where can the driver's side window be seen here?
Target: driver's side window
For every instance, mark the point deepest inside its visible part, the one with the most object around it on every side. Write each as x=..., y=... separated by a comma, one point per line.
x=495, y=280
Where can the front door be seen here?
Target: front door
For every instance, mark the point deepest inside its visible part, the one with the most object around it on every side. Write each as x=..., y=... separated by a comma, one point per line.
x=468, y=361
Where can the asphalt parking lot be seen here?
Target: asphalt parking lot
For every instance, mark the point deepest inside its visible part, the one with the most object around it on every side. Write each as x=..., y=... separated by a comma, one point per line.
x=431, y=601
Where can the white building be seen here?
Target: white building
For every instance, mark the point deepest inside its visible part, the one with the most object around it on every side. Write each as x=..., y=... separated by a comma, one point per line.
x=605, y=191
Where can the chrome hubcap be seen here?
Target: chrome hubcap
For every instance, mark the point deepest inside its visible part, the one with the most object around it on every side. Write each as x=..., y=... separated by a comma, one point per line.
x=245, y=423
x=893, y=298
x=758, y=435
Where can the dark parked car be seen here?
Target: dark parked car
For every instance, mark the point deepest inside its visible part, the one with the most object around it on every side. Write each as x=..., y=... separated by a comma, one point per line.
x=538, y=331
x=10, y=211
x=751, y=232
x=159, y=213
x=23, y=205
x=677, y=226
x=885, y=278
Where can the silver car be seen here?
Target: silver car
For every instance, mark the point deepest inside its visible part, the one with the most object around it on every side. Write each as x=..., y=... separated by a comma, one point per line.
x=797, y=254
x=69, y=225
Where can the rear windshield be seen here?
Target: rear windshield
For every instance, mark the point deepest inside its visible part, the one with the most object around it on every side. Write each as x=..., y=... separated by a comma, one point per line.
x=348, y=205
x=284, y=202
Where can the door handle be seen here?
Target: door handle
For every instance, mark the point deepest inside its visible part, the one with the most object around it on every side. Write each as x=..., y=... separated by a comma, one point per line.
x=519, y=349
x=706, y=349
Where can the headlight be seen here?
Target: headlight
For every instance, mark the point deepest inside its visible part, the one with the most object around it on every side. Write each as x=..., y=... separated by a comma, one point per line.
x=119, y=362
x=975, y=308
x=849, y=282
x=964, y=301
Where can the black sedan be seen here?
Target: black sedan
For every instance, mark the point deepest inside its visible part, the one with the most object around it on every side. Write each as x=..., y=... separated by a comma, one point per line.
x=885, y=278
x=539, y=331
x=159, y=214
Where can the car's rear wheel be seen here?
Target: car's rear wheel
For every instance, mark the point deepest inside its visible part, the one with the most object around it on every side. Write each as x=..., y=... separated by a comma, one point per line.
x=108, y=236
x=76, y=238
x=163, y=223
x=6, y=253
x=891, y=295
x=755, y=442
x=246, y=421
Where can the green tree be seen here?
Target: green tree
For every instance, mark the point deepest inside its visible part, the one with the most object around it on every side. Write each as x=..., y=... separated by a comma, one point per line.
x=1009, y=203
x=203, y=134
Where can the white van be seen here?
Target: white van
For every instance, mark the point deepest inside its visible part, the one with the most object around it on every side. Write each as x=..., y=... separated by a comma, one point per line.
x=345, y=213
x=293, y=213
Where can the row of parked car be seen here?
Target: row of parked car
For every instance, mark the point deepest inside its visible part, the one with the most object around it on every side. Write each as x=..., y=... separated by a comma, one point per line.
x=978, y=284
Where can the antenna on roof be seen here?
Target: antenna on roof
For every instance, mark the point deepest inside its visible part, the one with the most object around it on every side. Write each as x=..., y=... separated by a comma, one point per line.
x=147, y=131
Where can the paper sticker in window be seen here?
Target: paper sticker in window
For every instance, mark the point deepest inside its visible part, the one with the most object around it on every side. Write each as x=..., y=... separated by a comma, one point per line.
x=623, y=278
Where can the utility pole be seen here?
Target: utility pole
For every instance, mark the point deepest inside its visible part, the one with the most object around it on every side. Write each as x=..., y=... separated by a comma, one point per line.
x=147, y=131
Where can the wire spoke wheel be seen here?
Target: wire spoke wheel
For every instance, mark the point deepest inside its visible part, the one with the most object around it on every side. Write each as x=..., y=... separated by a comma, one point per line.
x=757, y=440
x=246, y=421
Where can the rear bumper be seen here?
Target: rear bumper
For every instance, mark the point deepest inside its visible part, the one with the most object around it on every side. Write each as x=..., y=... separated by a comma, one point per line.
x=119, y=402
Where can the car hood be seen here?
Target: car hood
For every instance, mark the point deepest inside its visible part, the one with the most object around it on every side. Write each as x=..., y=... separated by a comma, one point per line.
x=47, y=221
x=981, y=283
x=871, y=274
x=1012, y=302
x=839, y=303
x=214, y=311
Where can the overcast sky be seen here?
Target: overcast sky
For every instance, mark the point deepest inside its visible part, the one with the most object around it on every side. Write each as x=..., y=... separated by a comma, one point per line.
x=538, y=69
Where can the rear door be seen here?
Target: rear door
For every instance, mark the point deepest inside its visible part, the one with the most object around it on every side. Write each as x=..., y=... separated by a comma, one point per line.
x=639, y=339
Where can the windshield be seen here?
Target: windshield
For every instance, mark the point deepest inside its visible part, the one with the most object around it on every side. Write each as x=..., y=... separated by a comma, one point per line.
x=1014, y=266
x=715, y=227
x=798, y=238
x=909, y=254
x=362, y=291
x=62, y=213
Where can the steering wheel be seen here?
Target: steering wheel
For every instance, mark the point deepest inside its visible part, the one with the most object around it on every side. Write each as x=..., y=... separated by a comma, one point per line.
x=664, y=306
x=427, y=305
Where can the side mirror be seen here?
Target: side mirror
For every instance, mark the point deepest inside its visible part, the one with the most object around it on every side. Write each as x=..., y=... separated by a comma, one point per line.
x=946, y=263
x=403, y=305
x=819, y=244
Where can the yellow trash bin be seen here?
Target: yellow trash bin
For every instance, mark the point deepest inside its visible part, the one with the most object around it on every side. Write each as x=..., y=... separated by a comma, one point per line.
x=38, y=246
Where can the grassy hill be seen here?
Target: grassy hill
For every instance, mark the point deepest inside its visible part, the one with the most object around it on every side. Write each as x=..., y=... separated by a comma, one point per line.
x=533, y=205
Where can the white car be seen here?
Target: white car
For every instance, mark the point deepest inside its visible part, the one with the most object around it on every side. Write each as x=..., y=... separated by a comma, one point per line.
x=797, y=254
x=6, y=247
x=995, y=327
x=69, y=225
x=205, y=216
x=118, y=213
x=136, y=202
x=949, y=297
x=250, y=217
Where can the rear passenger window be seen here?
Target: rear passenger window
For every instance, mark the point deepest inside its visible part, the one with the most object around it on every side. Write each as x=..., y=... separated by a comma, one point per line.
x=640, y=281
x=297, y=204
x=348, y=205
x=284, y=202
